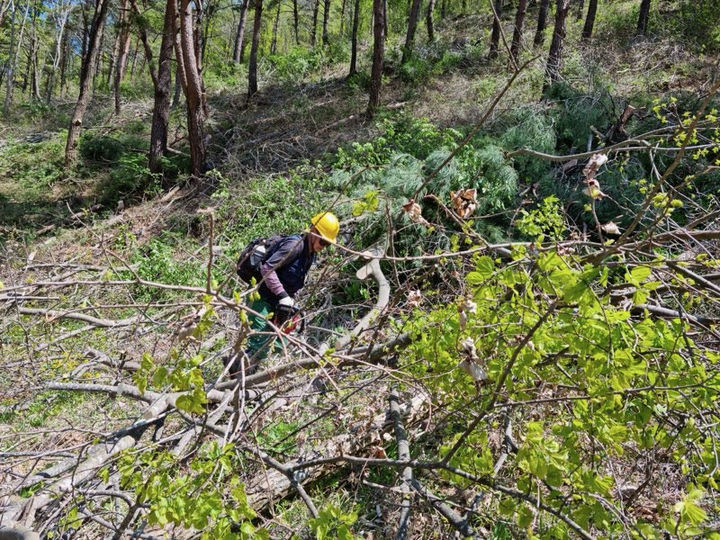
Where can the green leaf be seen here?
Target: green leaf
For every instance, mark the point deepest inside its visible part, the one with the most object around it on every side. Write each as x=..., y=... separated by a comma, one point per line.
x=639, y=274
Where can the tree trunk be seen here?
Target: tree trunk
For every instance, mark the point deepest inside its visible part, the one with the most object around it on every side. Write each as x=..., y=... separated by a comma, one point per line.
x=589, y=21
x=273, y=44
x=122, y=54
x=495, y=35
x=378, y=56
x=296, y=23
x=342, y=18
x=98, y=59
x=517, y=33
x=313, y=31
x=161, y=110
x=86, y=77
x=13, y=61
x=252, y=68
x=552, y=70
x=194, y=96
x=643, y=17
x=237, y=56
x=135, y=57
x=443, y=10
x=356, y=23
x=9, y=75
x=412, y=26
x=63, y=65
x=541, y=23
x=326, y=18
x=429, y=21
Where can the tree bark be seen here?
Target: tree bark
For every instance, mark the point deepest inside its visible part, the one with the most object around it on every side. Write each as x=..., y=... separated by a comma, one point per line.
x=13, y=62
x=161, y=110
x=313, y=31
x=63, y=65
x=8, y=65
x=353, y=54
x=296, y=22
x=342, y=17
x=378, y=56
x=429, y=21
x=122, y=54
x=589, y=21
x=552, y=70
x=517, y=33
x=273, y=44
x=326, y=18
x=86, y=77
x=541, y=23
x=194, y=95
x=98, y=59
x=237, y=56
x=643, y=17
x=252, y=68
x=495, y=35
x=412, y=26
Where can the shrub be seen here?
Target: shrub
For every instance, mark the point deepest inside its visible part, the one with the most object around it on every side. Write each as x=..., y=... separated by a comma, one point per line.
x=102, y=148
x=529, y=128
x=130, y=178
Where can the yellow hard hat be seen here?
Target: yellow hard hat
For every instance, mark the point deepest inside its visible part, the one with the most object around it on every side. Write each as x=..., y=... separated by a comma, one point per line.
x=327, y=225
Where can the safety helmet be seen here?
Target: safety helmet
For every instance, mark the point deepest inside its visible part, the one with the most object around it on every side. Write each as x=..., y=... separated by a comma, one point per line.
x=327, y=224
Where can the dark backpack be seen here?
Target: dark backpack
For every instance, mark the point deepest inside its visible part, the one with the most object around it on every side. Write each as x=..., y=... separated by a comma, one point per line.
x=254, y=255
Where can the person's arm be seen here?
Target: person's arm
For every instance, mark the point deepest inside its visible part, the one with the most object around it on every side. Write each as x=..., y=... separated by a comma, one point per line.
x=286, y=252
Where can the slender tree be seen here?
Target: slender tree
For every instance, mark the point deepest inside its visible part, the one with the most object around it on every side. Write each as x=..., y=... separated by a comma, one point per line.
x=161, y=84
x=87, y=73
x=495, y=34
x=326, y=19
x=194, y=94
x=252, y=66
x=276, y=23
x=378, y=56
x=13, y=61
x=342, y=17
x=552, y=69
x=517, y=33
x=313, y=30
x=643, y=17
x=240, y=32
x=412, y=26
x=122, y=54
x=429, y=21
x=353, y=54
x=541, y=23
x=296, y=22
x=589, y=21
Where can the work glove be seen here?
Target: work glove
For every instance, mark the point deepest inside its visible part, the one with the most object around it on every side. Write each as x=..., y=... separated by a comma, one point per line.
x=285, y=310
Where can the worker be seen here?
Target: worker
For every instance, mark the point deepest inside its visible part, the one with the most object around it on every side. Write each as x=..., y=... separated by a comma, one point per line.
x=283, y=274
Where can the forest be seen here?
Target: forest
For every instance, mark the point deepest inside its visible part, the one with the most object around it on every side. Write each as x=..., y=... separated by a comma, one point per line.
x=509, y=227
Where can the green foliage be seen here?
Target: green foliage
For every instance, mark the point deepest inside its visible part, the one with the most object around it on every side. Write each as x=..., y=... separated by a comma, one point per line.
x=102, y=148
x=158, y=261
x=292, y=66
x=129, y=179
x=33, y=166
x=528, y=128
x=694, y=24
x=545, y=221
x=559, y=324
x=206, y=495
x=576, y=112
x=333, y=522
